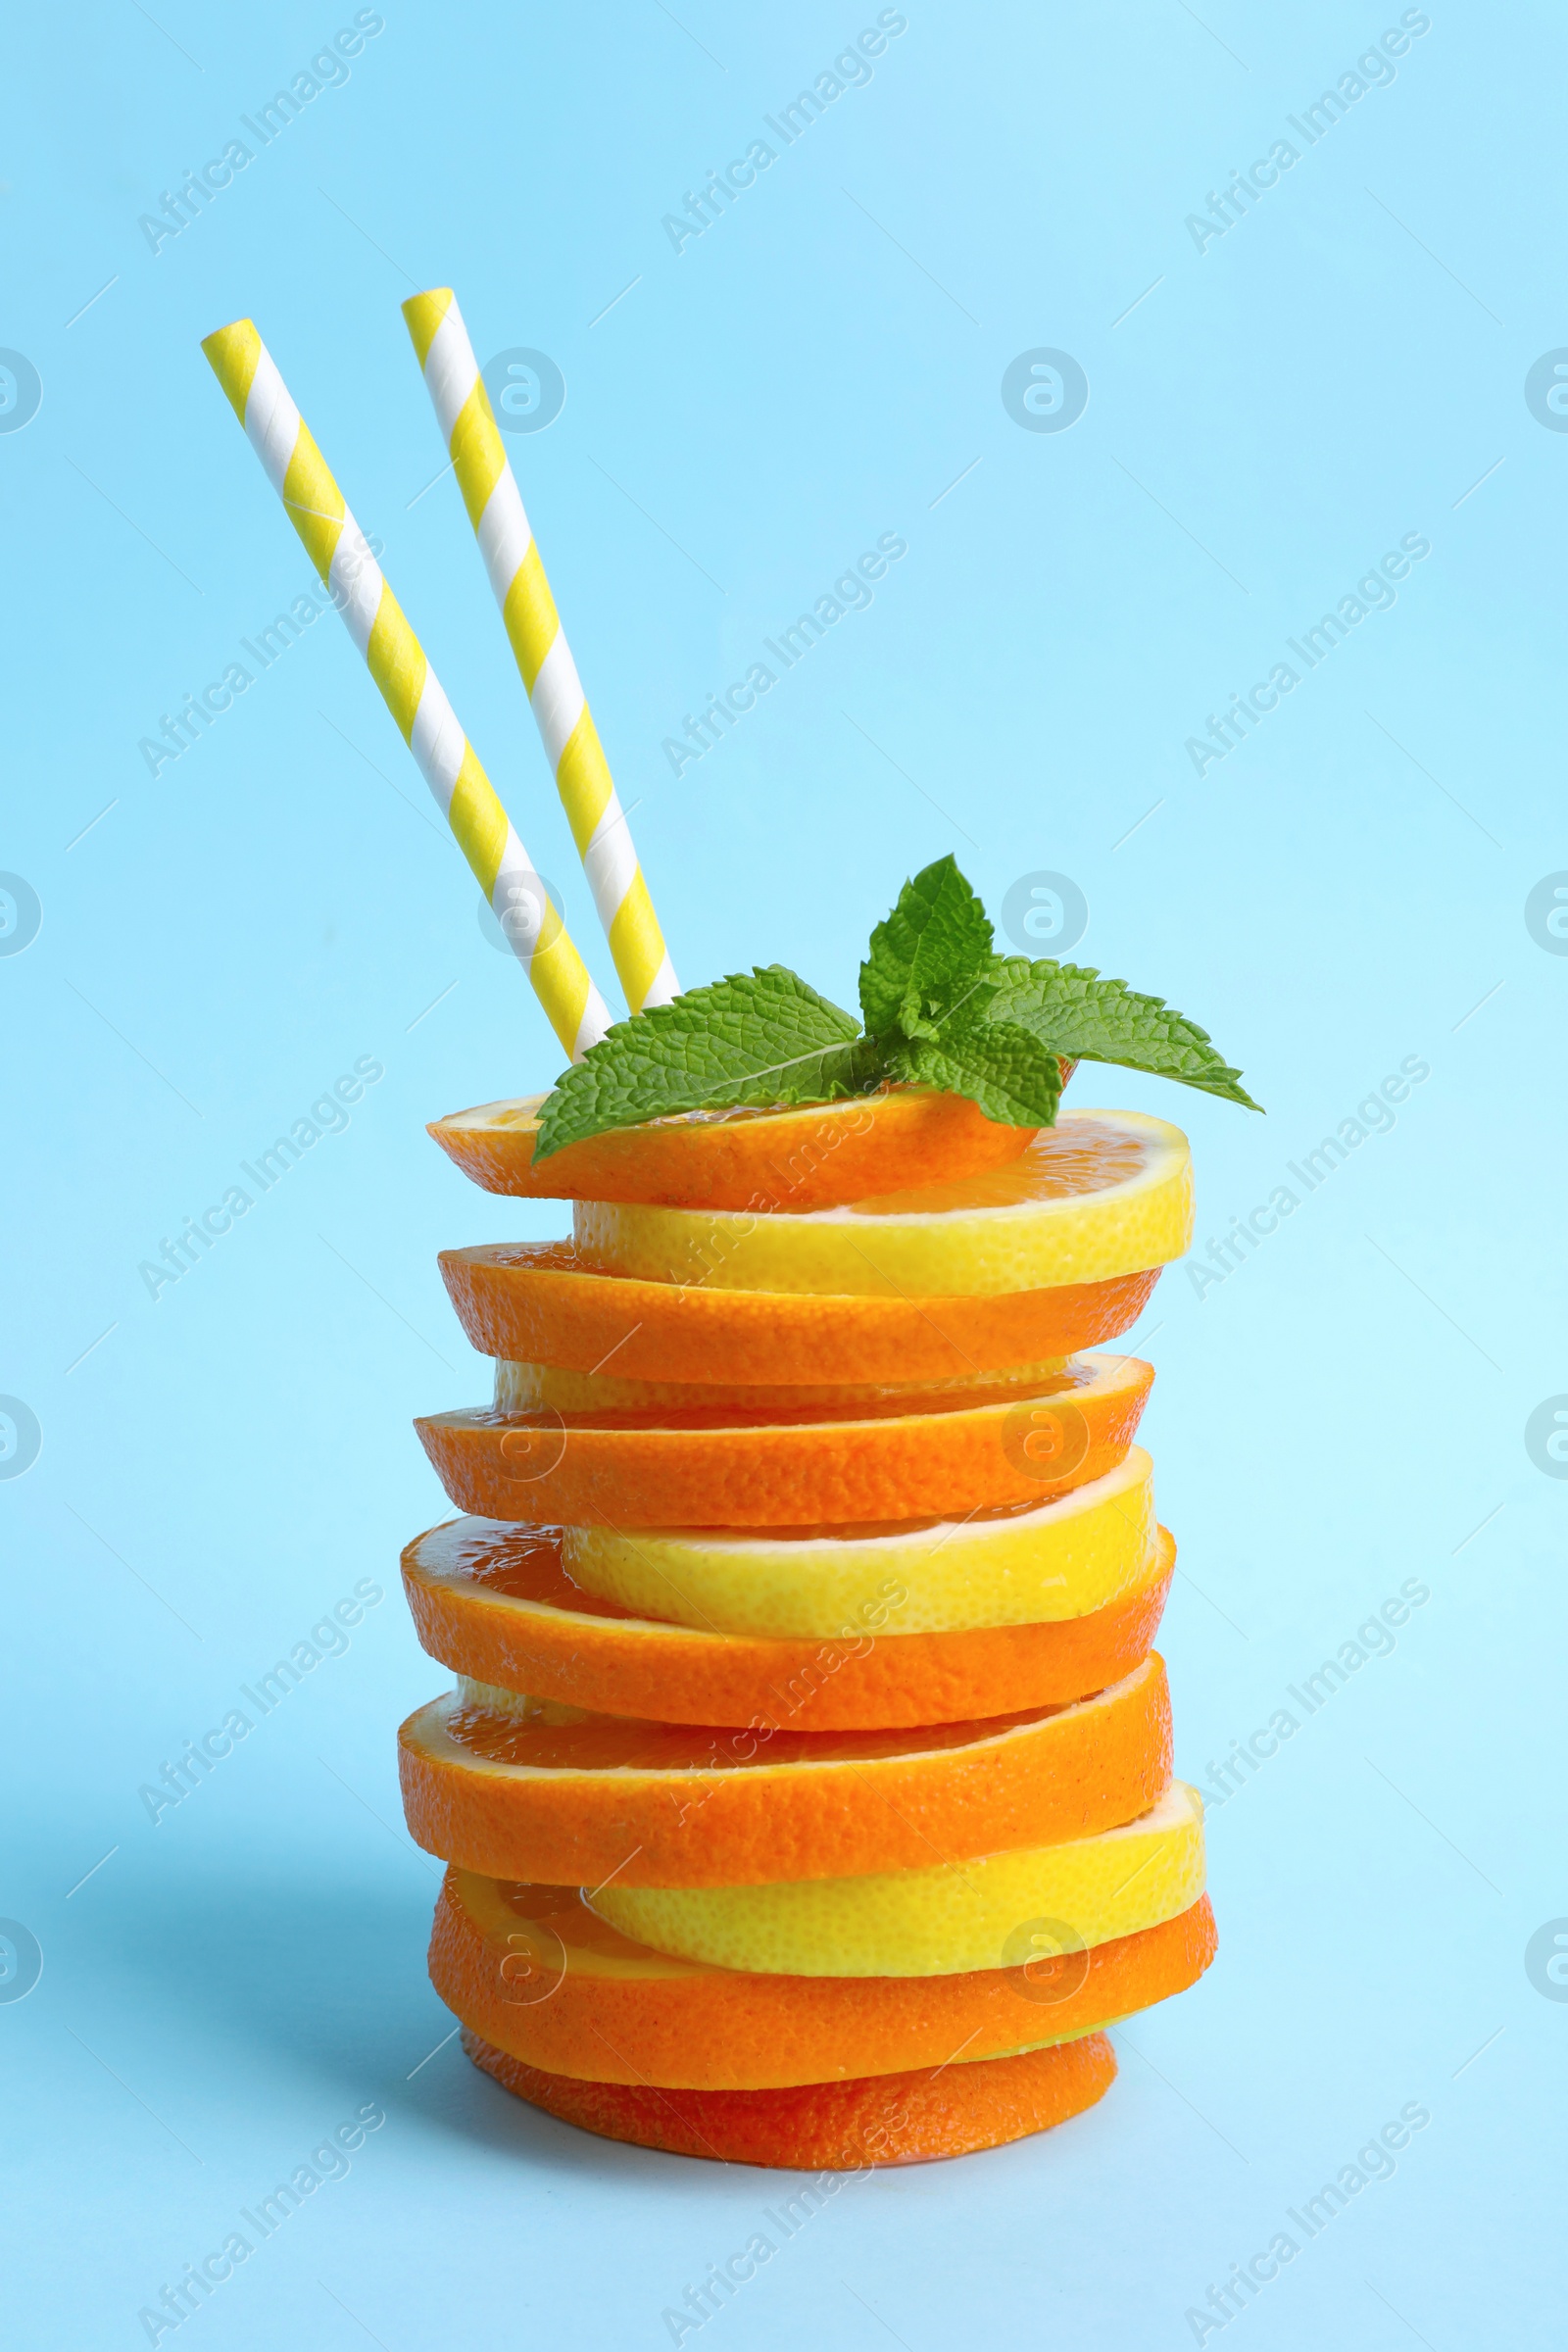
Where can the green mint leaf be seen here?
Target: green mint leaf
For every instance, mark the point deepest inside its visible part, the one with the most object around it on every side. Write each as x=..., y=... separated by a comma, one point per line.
x=757, y=1038
x=1082, y=1018
x=933, y=944
x=1000, y=1066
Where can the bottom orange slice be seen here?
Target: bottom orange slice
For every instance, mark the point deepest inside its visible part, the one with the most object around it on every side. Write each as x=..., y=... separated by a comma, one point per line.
x=829, y=2127
x=542, y=1979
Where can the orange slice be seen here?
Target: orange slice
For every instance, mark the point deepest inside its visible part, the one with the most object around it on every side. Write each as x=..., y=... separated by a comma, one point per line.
x=491, y=1600
x=723, y=1468
x=537, y=1302
x=829, y=2126
x=595, y=1797
x=542, y=1979
x=1100, y=1194
x=800, y=1158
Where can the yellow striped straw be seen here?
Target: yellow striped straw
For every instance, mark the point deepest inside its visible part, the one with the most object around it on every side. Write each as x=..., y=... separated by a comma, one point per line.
x=532, y=624
x=410, y=688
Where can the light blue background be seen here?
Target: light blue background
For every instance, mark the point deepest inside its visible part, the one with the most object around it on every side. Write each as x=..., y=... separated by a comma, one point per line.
x=1343, y=892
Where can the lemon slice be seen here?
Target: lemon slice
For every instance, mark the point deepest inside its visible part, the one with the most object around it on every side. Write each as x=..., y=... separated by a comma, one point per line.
x=1057, y=1559
x=986, y=1913
x=1104, y=1192
x=522, y=1388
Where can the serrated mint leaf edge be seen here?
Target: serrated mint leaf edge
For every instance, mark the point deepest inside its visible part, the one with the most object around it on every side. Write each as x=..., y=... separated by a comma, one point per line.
x=1219, y=1078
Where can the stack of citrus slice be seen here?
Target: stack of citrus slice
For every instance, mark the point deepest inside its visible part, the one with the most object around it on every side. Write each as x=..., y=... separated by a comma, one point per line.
x=806, y=1785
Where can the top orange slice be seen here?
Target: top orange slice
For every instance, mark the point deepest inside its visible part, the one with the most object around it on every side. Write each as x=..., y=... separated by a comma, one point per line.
x=802, y=1158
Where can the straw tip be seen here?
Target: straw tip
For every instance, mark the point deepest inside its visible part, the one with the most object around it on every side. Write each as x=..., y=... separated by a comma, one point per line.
x=422, y=315
x=220, y=337
x=233, y=354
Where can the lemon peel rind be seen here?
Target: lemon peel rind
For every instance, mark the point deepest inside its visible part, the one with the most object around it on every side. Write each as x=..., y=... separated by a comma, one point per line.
x=1142, y=1221
x=1067, y=1557
x=923, y=1922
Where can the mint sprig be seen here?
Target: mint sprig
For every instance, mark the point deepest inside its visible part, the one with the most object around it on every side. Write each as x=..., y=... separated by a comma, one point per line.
x=998, y=1064
x=929, y=996
x=940, y=1008
x=1084, y=1018
x=934, y=945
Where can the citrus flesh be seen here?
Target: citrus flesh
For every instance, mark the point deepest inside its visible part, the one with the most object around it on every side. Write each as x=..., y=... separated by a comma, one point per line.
x=491, y=1600
x=517, y=1788
x=806, y=1468
x=1027, y=1564
x=739, y=1159
x=1100, y=1194
x=540, y=1977
x=931, y=1922
x=538, y=1301
x=522, y=1388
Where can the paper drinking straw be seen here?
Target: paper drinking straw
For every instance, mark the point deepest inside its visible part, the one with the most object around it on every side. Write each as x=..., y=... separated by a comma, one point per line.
x=549, y=674
x=448, y=761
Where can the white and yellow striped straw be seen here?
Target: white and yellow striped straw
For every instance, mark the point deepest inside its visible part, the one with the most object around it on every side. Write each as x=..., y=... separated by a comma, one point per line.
x=410, y=688
x=549, y=674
